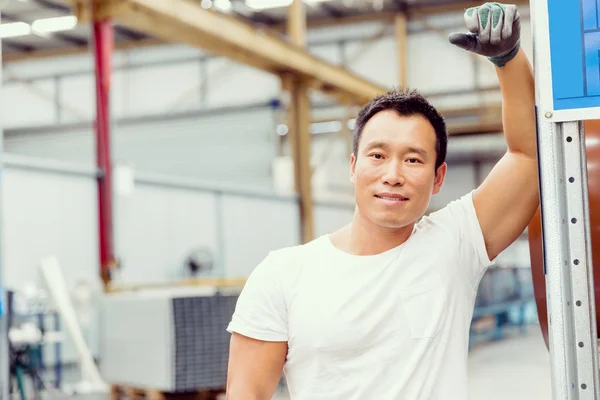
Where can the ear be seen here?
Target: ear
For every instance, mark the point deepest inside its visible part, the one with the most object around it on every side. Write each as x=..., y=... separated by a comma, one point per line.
x=440, y=175
x=352, y=168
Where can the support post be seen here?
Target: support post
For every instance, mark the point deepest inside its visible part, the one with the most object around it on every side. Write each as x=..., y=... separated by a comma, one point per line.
x=4, y=369
x=103, y=48
x=299, y=125
x=565, y=218
x=400, y=24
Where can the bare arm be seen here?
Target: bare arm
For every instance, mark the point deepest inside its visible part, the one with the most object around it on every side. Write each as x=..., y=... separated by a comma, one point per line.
x=255, y=368
x=508, y=198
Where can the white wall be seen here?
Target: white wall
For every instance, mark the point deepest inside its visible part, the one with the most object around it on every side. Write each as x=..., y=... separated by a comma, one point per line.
x=50, y=209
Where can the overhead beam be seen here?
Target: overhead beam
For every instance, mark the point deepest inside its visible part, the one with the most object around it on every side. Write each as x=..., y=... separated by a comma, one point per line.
x=415, y=9
x=186, y=22
x=33, y=54
x=21, y=48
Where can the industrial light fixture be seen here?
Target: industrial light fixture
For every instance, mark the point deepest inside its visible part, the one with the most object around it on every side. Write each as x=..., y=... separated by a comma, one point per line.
x=258, y=5
x=58, y=24
x=266, y=4
x=13, y=29
x=223, y=5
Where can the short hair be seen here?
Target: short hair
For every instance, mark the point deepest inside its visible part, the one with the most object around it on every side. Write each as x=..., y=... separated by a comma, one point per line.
x=404, y=103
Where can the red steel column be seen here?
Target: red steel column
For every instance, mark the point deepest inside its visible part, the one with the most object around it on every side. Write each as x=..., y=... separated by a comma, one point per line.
x=103, y=49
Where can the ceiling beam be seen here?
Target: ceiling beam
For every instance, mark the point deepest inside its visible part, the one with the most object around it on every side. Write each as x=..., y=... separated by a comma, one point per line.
x=21, y=48
x=31, y=54
x=186, y=22
x=331, y=11
x=66, y=9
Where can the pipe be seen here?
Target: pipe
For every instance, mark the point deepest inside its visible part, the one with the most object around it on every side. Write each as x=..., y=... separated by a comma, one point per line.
x=103, y=48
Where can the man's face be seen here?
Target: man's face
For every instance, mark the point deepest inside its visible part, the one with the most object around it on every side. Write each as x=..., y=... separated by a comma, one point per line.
x=394, y=171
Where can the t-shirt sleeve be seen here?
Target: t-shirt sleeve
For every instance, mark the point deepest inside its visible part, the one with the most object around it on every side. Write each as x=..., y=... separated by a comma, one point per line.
x=460, y=220
x=261, y=312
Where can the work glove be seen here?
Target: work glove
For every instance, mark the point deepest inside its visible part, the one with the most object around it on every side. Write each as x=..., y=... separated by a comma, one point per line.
x=495, y=31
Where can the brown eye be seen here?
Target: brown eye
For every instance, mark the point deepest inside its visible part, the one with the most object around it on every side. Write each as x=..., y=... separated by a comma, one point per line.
x=377, y=156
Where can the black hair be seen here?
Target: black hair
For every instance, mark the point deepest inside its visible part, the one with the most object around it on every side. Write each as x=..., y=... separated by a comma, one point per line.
x=405, y=103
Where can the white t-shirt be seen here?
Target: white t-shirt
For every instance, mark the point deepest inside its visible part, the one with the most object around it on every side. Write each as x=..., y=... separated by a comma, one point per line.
x=389, y=326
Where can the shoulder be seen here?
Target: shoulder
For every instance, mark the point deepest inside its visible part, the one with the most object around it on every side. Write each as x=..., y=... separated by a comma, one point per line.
x=289, y=259
x=452, y=216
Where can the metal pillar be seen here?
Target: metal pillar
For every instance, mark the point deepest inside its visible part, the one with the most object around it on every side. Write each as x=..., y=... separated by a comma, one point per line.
x=4, y=370
x=103, y=48
x=566, y=233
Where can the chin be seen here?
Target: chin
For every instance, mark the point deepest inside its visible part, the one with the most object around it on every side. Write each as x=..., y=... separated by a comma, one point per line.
x=392, y=222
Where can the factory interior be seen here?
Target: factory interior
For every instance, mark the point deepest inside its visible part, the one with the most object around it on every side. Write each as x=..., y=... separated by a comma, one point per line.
x=154, y=152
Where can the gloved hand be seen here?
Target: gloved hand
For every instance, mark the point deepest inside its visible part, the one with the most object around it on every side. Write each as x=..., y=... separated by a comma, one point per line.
x=495, y=32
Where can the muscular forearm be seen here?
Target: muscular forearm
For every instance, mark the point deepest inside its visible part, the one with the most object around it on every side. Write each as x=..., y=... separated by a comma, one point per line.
x=518, y=101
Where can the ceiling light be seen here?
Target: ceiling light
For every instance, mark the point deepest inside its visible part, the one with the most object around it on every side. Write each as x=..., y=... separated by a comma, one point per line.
x=223, y=5
x=206, y=4
x=266, y=4
x=54, y=24
x=314, y=3
x=258, y=5
x=13, y=29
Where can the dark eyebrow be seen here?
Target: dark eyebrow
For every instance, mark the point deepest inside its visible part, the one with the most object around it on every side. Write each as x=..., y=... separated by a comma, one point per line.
x=377, y=143
x=385, y=146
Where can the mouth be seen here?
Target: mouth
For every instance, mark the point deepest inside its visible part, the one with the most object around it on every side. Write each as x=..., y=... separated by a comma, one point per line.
x=391, y=197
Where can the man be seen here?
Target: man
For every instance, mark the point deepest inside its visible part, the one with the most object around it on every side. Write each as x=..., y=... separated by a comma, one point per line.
x=381, y=309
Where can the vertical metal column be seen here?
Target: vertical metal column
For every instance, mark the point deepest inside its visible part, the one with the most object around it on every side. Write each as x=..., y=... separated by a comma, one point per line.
x=103, y=49
x=566, y=236
x=568, y=261
x=4, y=370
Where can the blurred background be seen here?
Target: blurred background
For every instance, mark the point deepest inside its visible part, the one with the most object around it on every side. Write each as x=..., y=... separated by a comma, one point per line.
x=155, y=151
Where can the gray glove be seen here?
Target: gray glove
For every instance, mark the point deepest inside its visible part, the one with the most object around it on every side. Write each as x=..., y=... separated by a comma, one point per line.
x=495, y=32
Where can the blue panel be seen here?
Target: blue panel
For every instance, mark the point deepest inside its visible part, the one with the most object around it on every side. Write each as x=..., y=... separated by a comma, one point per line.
x=592, y=68
x=590, y=20
x=577, y=102
x=575, y=53
x=566, y=48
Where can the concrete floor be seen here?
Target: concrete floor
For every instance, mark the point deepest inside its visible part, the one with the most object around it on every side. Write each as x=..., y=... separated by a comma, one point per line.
x=517, y=368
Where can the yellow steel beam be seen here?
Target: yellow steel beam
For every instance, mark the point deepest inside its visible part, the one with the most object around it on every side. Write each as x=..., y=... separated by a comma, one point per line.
x=299, y=122
x=186, y=22
x=401, y=29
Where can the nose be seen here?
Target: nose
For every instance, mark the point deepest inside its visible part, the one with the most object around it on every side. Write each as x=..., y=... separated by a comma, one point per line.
x=394, y=174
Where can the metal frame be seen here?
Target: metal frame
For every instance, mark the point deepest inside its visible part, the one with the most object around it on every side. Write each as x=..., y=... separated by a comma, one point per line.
x=4, y=369
x=545, y=101
x=565, y=231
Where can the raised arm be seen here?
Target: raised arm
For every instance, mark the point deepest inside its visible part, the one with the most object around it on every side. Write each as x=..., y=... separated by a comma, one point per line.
x=508, y=198
x=255, y=368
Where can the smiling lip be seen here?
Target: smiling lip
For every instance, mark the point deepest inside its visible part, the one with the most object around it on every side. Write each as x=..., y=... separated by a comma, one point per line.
x=391, y=197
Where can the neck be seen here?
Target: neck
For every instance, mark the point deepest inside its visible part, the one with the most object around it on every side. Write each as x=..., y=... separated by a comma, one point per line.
x=363, y=237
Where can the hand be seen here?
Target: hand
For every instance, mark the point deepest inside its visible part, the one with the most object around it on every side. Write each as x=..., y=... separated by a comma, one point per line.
x=495, y=32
